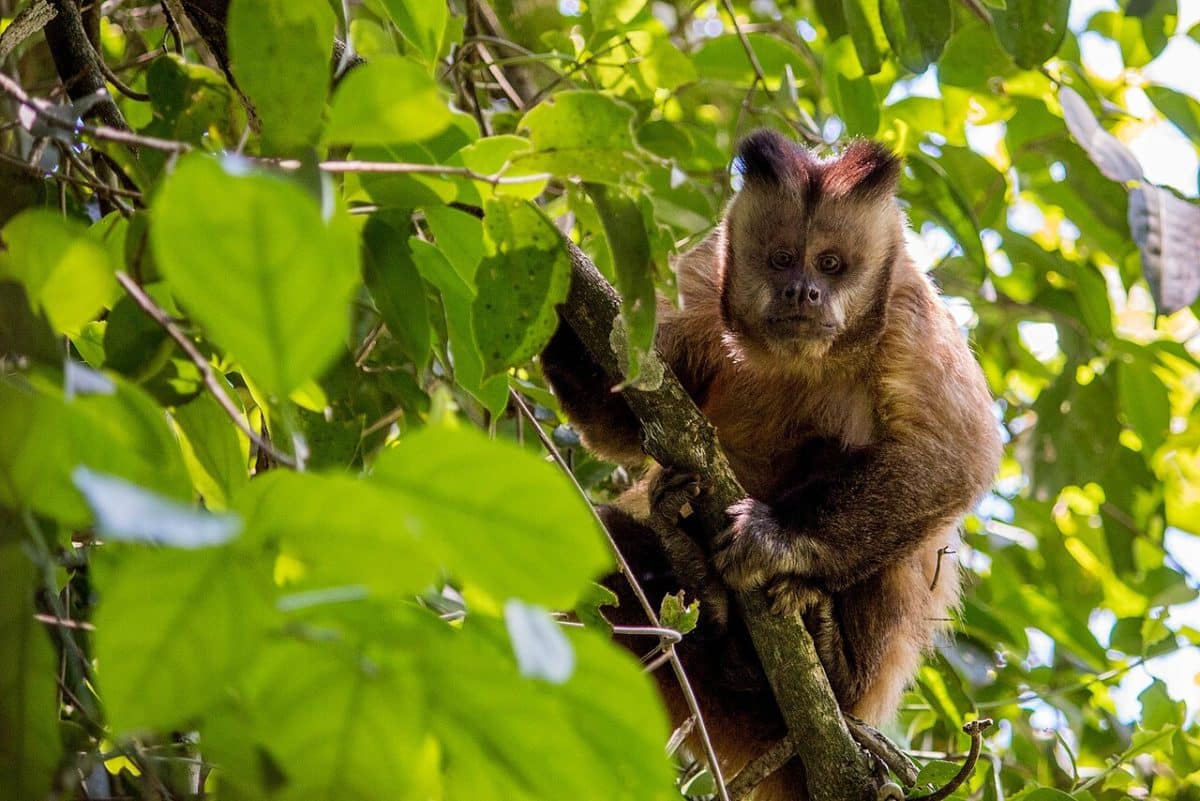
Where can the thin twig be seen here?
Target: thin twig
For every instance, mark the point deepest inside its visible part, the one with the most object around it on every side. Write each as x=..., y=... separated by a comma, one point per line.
x=978, y=9
x=156, y=313
x=759, y=75
x=710, y=753
x=975, y=730
x=105, y=132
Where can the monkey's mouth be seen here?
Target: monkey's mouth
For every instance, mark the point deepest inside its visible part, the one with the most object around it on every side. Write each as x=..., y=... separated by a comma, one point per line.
x=796, y=324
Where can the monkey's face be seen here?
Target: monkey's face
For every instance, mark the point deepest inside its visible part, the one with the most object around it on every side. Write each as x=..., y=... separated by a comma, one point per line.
x=809, y=246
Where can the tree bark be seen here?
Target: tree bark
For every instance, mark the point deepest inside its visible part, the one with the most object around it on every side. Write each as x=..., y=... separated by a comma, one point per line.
x=677, y=434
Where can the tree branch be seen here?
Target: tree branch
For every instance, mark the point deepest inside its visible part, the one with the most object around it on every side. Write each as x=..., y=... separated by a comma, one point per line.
x=77, y=63
x=678, y=435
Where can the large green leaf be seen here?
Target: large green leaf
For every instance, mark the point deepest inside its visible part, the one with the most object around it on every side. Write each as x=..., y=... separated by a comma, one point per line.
x=280, y=54
x=66, y=274
x=850, y=90
x=388, y=101
x=508, y=521
x=581, y=133
x=29, y=742
x=174, y=627
x=337, y=530
x=274, y=287
x=106, y=425
x=327, y=721
x=867, y=32
x=524, y=276
x=217, y=452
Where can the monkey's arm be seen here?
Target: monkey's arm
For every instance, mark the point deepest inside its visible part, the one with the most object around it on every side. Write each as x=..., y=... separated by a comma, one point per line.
x=936, y=456
x=848, y=523
x=584, y=390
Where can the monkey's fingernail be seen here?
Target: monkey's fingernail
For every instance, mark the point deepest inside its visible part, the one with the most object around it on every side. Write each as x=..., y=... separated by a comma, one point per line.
x=686, y=511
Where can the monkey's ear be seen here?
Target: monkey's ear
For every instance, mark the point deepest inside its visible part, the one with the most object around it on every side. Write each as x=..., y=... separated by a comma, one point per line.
x=771, y=158
x=866, y=169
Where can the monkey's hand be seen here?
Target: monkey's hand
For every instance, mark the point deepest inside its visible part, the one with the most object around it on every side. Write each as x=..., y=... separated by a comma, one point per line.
x=754, y=549
x=792, y=596
x=671, y=497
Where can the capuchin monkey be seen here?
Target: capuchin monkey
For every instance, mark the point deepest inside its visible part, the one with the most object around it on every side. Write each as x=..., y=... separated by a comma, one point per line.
x=852, y=412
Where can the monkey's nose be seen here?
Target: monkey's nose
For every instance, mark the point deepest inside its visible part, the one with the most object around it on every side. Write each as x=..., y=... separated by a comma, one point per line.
x=803, y=293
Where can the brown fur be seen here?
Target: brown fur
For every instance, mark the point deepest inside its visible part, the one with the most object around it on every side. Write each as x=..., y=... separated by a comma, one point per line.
x=859, y=424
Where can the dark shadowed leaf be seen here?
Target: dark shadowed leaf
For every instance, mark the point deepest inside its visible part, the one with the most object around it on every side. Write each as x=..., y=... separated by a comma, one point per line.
x=396, y=286
x=917, y=32
x=29, y=738
x=1031, y=30
x=867, y=32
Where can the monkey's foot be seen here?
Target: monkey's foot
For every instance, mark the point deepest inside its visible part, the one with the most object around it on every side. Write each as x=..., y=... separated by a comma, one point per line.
x=792, y=596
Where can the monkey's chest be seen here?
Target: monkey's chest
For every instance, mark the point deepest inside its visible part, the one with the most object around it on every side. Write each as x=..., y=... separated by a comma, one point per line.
x=777, y=437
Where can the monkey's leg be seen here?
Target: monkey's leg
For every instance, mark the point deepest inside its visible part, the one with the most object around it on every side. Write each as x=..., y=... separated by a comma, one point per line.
x=584, y=390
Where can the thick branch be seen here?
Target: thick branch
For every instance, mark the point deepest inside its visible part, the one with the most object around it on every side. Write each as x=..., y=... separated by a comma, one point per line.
x=77, y=63
x=678, y=435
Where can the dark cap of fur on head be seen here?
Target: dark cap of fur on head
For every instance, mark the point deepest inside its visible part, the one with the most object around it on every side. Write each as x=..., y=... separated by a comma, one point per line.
x=865, y=168
x=772, y=158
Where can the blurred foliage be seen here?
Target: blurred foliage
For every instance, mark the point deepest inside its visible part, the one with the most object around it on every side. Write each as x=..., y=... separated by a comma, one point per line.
x=375, y=626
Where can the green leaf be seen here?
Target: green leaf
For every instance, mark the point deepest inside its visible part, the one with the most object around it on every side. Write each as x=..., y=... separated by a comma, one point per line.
x=630, y=247
x=1181, y=110
x=583, y=134
x=1031, y=30
x=286, y=273
x=724, y=58
x=397, y=288
x=510, y=522
x=541, y=648
x=867, y=32
x=387, y=101
x=111, y=427
x=327, y=721
x=937, y=773
x=1145, y=402
x=125, y=512
x=850, y=90
x=421, y=22
x=945, y=202
x=216, y=452
x=610, y=13
x=173, y=628
x=674, y=615
x=66, y=274
x=917, y=32
x=524, y=276
x=29, y=741
x=972, y=57
x=338, y=530
x=280, y=52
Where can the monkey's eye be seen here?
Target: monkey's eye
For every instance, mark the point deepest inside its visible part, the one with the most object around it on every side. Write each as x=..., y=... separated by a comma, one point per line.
x=829, y=263
x=781, y=259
